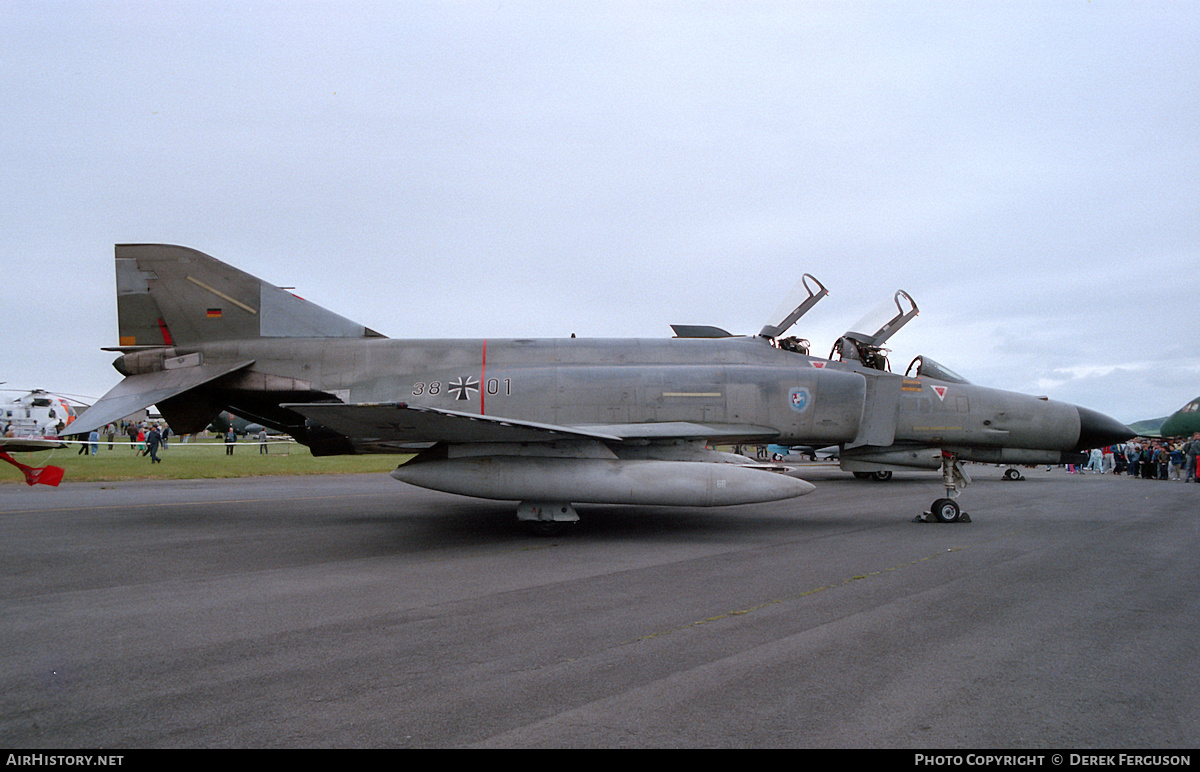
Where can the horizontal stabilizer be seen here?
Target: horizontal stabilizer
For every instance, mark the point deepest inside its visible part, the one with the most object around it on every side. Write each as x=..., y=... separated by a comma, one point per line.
x=138, y=392
x=28, y=444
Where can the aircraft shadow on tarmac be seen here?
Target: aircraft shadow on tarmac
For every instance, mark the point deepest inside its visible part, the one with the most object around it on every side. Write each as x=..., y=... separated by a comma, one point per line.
x=452, y=522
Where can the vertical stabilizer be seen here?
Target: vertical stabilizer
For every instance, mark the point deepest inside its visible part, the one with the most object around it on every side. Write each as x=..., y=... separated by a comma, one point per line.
x=169, y=295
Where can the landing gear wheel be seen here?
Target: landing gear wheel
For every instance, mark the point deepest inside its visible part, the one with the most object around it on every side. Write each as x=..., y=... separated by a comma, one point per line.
x=945, y=511
x=882, y=476
x=1012, y=474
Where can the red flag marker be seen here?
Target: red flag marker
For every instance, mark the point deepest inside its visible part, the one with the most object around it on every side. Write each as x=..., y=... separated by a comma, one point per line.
x=46, y=475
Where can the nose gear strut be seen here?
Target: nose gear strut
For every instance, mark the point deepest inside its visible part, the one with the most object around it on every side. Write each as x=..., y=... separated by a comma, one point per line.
x=946, y=510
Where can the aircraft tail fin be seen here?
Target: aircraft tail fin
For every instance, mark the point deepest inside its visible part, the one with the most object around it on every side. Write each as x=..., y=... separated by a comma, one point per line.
x=170, y=295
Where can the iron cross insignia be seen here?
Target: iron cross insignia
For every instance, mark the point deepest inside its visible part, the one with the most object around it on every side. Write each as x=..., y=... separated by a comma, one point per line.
x=463, y=387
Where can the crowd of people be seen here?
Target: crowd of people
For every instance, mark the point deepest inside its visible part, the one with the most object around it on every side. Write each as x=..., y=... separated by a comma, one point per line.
x=1144, y=458
x=145, y=438
x=1148, y=459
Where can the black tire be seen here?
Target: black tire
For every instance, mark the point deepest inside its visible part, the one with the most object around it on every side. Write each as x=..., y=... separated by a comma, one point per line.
x=882, y=476
x=1012, y=474
x=945, y=511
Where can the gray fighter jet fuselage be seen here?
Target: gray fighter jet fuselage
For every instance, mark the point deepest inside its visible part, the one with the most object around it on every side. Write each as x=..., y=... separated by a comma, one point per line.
x=745, y=388
x=547, y=422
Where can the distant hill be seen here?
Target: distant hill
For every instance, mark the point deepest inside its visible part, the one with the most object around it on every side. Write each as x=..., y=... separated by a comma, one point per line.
x=1148, y=427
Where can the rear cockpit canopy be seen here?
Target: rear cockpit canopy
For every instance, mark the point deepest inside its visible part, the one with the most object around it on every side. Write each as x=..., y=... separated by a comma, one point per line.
x=867, y=347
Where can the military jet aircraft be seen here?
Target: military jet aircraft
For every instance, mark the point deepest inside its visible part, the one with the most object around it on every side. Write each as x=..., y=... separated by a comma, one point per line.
x=241, y=427
x=556, y=422
x=1184, y=422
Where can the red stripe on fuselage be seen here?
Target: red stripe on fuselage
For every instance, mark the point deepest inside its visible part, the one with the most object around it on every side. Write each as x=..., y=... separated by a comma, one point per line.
x=483, y=376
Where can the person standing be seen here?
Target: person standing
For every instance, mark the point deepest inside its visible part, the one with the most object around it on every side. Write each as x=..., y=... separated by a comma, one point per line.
x=1175, y=460
x=230, y=438
x=1192, y=458
x=262, y=442
x=1131, y=458
x=153, y=440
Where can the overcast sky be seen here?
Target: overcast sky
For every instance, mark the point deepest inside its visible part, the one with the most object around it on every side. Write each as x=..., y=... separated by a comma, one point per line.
x=1028, y=172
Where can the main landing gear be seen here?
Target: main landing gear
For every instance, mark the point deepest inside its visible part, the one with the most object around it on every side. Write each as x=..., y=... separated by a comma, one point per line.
x=946, y=510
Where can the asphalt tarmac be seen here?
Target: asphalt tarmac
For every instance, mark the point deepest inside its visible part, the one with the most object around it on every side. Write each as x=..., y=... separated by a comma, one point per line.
x=355, y=611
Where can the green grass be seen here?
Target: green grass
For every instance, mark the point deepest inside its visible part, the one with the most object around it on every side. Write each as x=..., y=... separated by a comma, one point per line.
x=196, y=459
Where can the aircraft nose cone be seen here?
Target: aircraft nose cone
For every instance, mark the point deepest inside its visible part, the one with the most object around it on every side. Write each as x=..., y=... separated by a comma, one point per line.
x=1097, y=430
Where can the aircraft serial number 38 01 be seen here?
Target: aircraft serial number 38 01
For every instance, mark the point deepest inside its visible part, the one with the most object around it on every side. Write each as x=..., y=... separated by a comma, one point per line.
x=557, y=422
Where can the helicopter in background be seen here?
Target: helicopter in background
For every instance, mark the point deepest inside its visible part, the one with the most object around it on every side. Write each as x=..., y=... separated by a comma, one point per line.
x=37, y=413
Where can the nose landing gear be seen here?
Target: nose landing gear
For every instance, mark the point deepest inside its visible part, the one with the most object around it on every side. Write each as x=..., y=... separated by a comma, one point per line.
x=946, y=510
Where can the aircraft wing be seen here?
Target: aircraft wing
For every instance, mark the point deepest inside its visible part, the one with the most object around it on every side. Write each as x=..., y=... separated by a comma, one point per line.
x=399, y=422
x=138, y=392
